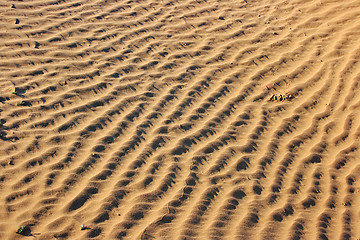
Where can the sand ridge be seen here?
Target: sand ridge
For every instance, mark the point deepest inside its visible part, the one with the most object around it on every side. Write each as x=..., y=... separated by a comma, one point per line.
x=174, y=119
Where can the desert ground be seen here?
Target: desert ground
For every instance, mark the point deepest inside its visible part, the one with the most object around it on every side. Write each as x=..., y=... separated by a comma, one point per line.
x=180, y=119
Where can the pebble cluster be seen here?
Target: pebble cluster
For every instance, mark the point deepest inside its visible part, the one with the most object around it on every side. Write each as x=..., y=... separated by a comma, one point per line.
x=280, y=97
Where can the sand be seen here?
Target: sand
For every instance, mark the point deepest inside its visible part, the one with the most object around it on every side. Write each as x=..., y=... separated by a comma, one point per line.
x=180, y=119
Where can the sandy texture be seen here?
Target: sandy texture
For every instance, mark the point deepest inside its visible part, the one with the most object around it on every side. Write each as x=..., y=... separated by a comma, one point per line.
x=177, y=119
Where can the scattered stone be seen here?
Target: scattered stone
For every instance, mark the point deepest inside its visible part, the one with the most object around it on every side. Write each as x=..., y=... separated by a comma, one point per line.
x=20, y=230
x=281, y=97
x=62, y=83
x=84, y=227
x=24, y=104
x=24, y=230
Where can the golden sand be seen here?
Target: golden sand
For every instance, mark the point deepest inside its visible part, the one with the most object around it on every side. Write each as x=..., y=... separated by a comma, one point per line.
x=178, y=119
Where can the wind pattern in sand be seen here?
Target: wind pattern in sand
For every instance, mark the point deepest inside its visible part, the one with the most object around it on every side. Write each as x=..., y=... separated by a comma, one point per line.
x=178, y=119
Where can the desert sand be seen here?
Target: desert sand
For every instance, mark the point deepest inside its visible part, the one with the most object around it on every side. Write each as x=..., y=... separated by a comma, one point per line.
x=177, y=119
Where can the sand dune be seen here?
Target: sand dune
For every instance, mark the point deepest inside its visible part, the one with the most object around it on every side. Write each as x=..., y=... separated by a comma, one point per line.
x=173, y=119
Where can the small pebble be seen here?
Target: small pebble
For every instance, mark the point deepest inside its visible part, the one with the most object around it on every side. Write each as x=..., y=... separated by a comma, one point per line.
x=84, y=227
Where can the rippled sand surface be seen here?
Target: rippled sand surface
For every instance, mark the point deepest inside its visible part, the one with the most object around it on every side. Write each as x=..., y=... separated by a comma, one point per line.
x=178, y=119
